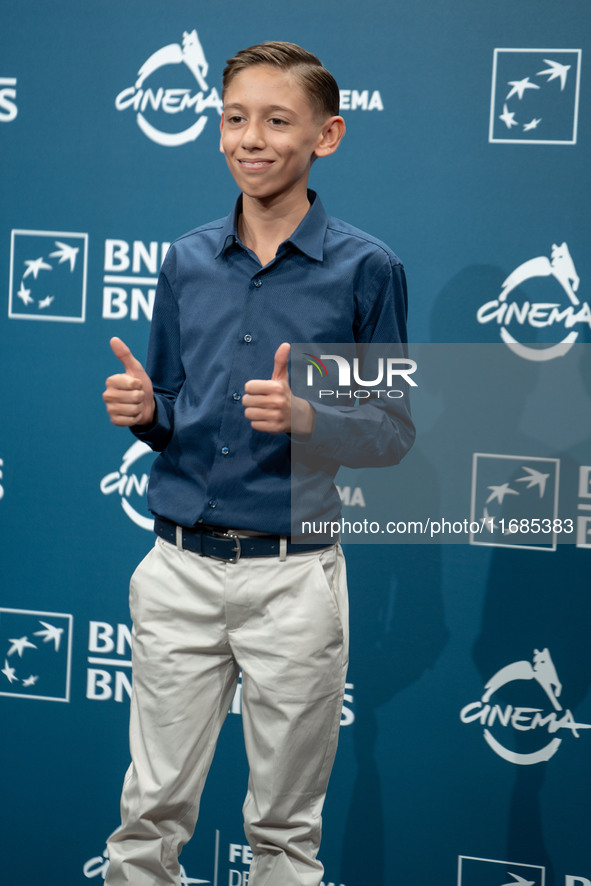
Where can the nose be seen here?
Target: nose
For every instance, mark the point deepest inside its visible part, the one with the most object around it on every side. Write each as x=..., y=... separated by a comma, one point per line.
x=252, y=136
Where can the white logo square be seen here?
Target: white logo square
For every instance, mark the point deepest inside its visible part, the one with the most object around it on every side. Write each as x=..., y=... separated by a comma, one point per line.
x=35, y=654
x=48, y=276
x=515, y=500
x=535, y=96
x=489, y=872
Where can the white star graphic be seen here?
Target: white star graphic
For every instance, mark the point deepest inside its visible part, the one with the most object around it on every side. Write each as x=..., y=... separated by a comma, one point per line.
x=536, y=478
x=25, y=295
x=34, y=266
x=555, y=70
x=499, y=493
x=519, y=881
x=20, y=645
x=9, y=672
x=65, y=253
x=533, y=124
x=508, y=117
x=519, y=87
x=486, y=521
x=30, y=681
x=50, y=633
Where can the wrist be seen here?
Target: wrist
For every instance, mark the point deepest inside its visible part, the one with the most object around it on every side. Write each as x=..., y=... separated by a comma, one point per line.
x=303, y=417
x=149, y=419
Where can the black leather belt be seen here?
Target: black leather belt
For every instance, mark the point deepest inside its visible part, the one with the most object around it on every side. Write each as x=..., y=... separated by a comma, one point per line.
x=224, y=544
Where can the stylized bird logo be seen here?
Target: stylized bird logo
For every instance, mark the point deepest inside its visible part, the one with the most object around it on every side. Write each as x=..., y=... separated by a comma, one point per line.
x=499, y=493
x=536, y=478
x=9, y=672
x=50, y=633
x=487, y=521
x=30, y=681
x=508, y=117
x=556, y=70
x=519, y=881
x=188, y=881
x=519, y=87
x=65, y=253
x=533, y=124
x=34, y=266
x=25, y=295
x=20, y=645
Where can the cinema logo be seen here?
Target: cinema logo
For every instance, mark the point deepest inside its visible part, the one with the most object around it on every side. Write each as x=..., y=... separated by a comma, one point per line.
x=515, y=315
x=525, y=724
x=130, y=484
x=164, y=113
x=388, y=371
x=231, y=859
x=98, y=866
x=360, y=100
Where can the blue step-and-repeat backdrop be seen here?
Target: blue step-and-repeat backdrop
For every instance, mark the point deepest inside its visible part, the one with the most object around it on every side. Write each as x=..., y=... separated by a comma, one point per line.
x=465, y=752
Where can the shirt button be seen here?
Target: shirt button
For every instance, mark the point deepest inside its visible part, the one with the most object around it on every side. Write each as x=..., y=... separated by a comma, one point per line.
x=225, y=450
x=258, y=283
x=236, y=395
x=212, y=503
x=247, y=338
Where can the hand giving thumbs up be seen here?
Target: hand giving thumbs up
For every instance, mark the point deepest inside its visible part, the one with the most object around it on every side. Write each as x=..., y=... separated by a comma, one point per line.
x=269, y=404
x=129, y=396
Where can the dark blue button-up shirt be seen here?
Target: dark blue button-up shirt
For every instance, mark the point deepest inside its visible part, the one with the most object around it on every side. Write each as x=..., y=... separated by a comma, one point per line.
x=218, y=319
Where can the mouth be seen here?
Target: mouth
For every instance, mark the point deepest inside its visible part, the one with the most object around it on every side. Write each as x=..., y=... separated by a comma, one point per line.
x=255, y=164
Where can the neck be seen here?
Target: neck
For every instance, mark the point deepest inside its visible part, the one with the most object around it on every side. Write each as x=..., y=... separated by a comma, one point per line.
x=263, y=225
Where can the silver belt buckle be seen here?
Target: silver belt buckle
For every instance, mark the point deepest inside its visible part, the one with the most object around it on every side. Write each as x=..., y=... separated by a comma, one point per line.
x=237, y=548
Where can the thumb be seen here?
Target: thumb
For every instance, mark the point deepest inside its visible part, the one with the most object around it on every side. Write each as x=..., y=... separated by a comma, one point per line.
x=122, y=352
x=280, y=370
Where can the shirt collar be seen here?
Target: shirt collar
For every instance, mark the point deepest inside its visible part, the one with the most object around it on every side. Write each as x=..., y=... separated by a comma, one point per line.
x=308, y=237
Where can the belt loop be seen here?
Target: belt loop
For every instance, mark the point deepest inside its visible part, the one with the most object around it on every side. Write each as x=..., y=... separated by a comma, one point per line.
x=179, y=537
x=283, y=548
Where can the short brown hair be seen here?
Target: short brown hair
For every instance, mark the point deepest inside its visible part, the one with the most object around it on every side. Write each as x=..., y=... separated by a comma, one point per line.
x=318, y=83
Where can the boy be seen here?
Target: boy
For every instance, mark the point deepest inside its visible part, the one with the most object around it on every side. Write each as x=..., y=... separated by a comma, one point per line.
x=224, y=589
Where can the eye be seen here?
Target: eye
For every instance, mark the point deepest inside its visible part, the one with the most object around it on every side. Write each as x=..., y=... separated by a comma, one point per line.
x=277, y=121
x=235, y=119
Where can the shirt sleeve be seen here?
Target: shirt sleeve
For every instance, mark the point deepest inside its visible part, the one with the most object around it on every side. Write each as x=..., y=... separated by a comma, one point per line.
x=376, y=431
x=164, y=363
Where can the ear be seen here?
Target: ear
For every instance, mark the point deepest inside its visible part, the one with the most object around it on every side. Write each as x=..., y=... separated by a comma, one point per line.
x=333, y=129
x=221, y=133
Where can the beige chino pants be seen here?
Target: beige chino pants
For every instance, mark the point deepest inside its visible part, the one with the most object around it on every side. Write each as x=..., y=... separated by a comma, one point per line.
x=196, y=623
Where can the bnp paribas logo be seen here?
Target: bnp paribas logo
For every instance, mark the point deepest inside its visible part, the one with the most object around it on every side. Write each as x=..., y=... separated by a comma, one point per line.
x=35, y=654
x=490, y=872
x=535, y=96
x=48, y=276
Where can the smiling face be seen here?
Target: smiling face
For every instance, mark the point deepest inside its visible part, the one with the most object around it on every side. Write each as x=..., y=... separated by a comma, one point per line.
x=271, y=132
